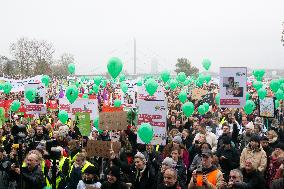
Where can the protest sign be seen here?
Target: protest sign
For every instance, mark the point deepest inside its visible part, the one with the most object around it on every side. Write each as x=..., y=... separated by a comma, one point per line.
x=113, y=120
x=37, y=106
x=233, y=87
x=80, y=105
x=198, y=93
x=153, y=110
x=84, y=123
x=266, y=107
x=102, y=148
x=129, y=99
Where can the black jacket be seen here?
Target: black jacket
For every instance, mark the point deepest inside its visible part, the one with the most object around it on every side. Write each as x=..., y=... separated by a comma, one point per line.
x=116, y=185
x=146, y=180
x=33, y=179
x=232, y=161
x=181, y=172
x=253, y=180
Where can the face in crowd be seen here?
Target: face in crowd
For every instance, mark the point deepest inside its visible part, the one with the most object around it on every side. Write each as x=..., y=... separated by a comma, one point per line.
x=170, y=177
x=139, y=163
x=32, y=161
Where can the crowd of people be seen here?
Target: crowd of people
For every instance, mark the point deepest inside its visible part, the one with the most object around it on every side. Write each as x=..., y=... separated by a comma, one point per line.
x=225, y=148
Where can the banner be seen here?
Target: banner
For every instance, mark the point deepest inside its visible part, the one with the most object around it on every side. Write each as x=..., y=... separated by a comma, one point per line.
x=80, y=105
x=52, y=104
x=38, y=105
x=19, y=85
x=233, y=87
x=83, y=123
x=153, y=110
x=266, y=107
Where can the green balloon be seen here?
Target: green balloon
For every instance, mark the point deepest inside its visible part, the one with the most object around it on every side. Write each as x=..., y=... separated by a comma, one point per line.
x=201, y=110
x=1, y=86
x=258, y=74
x=217, y=99
x=249, y=107
x=207, y=78
x=63, y=116
x=71, y=68
x=206, y=106
x=15, y=106
x=91, y=91
x=146, y=132
x=181, y=77
x=182, y=96
x=97, y=80
x=281, y=80
x=247, y=96
x=30, y=94
x=279, y=94
x=188, y=109
x=274, y=85
x=114, y=67
x=139, y=83
x=45, y=80
x=78, y=83
x=7, y=87
x=72, y=93
x=173, y=84
x=277, y=104
x=257, y=85
x=206, y=63
x=117, y=103
x=186, y=82
x=96, y=124
x=121, y=77
x=96, y=88
x=262, y=93
x=86, y=96
x=124, y=87
x=165, y=76
x=2, y=112
x=167, y=87
x=282, y=86
x=104, y=83
x=151, y=86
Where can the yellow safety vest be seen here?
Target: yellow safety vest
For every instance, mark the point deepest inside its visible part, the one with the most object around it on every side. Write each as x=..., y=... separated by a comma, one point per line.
x=87, y=164
x=58, y=179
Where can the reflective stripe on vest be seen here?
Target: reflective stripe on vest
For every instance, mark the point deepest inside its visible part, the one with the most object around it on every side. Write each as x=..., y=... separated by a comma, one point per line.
x=211, y=177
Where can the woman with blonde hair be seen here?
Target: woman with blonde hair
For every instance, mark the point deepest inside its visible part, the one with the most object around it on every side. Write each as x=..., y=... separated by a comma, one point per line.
x=272, y=138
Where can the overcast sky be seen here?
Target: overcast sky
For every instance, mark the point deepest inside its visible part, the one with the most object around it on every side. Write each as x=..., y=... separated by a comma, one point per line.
x=229, y=33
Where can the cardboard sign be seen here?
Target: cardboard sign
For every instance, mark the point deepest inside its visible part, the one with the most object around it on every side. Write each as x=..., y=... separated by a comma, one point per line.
x=113, y=120
x=198, y=93
x=102, y=148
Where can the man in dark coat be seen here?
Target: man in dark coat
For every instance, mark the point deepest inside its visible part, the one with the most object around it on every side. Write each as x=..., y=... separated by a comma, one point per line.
x=228, y=157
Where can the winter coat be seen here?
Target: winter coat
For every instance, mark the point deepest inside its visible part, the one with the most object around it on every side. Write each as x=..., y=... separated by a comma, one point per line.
x=231, y=162
x=33, y=179
x=274, y=164
x=257, y=156
x=253, y=180
x=176, y=186
x=116, y=185
x=278, y=183
x=4, y=177
x=181, y=172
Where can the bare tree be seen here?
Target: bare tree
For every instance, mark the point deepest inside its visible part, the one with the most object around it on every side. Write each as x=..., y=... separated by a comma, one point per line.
x=42, y=53
x=61, y=66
